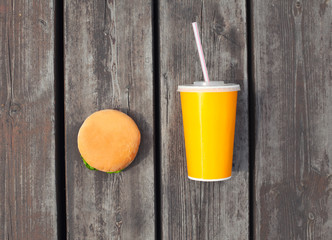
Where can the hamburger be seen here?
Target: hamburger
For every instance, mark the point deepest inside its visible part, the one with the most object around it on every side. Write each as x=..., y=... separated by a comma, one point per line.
x=108, y=141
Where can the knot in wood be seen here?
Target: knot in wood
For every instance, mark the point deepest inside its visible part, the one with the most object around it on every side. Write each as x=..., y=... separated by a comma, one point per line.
x=311, y=216
x=14, y=108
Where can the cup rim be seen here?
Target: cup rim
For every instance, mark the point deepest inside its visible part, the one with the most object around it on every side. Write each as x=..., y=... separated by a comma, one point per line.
x=214, y=86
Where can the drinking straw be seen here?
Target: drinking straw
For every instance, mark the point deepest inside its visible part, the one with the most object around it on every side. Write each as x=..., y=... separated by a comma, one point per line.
x=200, y=52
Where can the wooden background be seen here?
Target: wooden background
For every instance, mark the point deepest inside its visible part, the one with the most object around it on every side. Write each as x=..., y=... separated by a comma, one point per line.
x=63, y=60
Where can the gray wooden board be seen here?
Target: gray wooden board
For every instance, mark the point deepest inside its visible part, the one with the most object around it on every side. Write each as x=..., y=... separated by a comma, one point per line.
x=108, y=64
x=27, y=152
x=293, y=96
x=196, y=210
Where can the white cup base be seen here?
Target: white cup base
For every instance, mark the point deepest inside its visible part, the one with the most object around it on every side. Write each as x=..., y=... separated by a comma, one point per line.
x=209, y=180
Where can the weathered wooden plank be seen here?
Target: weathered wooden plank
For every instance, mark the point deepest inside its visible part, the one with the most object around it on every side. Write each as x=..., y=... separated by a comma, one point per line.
x=108, y=64
x=293, y=91
x=195, y=210
x=27, y=152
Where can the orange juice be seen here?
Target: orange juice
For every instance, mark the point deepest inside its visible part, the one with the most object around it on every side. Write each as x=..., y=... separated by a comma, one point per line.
x=209, y=112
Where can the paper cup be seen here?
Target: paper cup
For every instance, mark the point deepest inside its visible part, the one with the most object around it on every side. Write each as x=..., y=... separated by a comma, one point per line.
x=209, y=112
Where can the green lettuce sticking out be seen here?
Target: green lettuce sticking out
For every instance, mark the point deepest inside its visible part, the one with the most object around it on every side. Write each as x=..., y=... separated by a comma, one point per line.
x=92, y=168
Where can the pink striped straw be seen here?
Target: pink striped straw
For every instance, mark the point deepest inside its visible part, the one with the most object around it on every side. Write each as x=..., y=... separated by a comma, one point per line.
x=200, y=52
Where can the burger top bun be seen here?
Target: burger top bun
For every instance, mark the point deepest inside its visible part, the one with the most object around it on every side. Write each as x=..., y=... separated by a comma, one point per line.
x=108, y=140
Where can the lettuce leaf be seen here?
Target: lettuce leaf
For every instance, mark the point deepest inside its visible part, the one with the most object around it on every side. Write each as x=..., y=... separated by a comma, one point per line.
x=92, y=168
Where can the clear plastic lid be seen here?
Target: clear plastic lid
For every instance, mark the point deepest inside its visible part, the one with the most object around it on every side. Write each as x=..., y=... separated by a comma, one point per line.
x=212, y=86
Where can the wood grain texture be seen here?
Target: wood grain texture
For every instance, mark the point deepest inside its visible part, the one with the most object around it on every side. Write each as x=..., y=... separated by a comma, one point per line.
x=108, y=64
x=293, y=95
x=27, y=152
x=196, y=210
